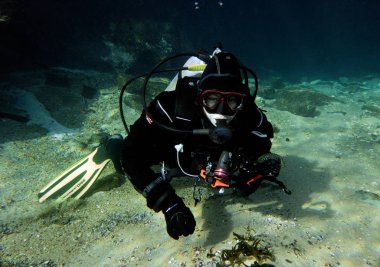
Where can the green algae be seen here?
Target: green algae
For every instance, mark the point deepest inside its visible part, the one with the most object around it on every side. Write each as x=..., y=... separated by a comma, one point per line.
x=248, y=246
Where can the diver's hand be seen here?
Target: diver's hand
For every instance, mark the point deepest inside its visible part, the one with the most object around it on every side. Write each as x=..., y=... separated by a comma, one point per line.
x=270, y=167
x=179, y=219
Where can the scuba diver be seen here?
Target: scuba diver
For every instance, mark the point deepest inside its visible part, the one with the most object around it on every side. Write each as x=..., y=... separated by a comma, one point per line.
x=205, y=125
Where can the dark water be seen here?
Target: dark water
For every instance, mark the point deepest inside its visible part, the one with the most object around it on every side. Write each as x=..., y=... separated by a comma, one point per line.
x=294, y=38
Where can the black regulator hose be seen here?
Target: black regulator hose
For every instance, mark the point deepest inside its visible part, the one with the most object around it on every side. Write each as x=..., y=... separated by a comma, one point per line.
x=245, y=69
x=121, y=96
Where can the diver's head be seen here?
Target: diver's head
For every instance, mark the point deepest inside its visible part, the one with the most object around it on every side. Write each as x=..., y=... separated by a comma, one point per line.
x=221, y=90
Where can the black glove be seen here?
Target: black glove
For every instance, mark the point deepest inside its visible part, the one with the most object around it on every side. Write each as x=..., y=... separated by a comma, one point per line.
x=269, y=164
x=179, y=219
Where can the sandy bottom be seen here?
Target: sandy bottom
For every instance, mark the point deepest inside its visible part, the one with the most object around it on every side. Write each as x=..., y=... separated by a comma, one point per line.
x=332, y=217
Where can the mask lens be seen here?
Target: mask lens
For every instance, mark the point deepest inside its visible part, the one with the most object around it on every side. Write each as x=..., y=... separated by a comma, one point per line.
x=234, y=101
x=211, y=100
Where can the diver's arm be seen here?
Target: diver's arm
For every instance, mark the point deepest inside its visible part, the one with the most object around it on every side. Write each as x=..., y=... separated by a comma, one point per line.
x=145, y=146
x=256, y=151
x=258, y=138
x=139, y=154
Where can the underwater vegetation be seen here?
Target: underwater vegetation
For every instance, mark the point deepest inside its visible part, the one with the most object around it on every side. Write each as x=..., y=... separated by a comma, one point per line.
x=247, y=247
x=24, y=261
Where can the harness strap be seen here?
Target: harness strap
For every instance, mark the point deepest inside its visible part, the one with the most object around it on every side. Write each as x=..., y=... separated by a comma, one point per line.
x=186, y=93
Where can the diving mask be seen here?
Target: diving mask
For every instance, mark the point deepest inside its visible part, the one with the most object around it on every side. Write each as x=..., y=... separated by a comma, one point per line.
x=215, y=101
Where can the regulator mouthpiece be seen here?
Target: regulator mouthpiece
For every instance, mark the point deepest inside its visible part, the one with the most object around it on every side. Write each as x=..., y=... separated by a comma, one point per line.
x=220, y=135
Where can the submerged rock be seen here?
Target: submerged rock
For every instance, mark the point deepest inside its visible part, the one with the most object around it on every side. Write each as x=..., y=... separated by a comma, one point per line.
x=57, y=78
x=88, y=92
x=367, y=195
x=270, y=91
x=137, y=44
x=371, y=108
x=301, y=101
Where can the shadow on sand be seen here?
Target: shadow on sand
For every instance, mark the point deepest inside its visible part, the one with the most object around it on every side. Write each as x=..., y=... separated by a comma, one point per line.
x=302, y=177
